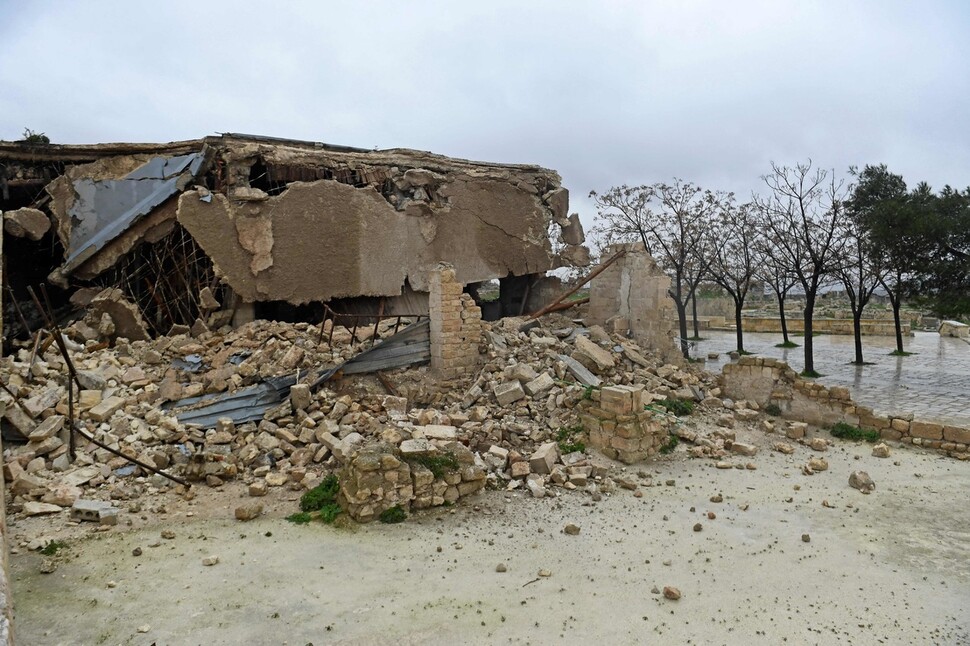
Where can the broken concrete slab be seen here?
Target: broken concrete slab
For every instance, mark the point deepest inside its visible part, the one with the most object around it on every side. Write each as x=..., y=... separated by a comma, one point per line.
x=96, y=511
x=592, y=356
x=125, y=316
x=580, y=372
x=32, y=224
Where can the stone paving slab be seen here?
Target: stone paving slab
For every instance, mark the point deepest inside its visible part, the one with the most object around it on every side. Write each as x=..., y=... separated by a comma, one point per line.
x=933, y=384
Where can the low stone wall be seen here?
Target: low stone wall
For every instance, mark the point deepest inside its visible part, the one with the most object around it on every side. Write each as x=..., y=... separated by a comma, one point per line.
x=770, y=381
x=419, y=475
x=619, y=427
x=870, y=327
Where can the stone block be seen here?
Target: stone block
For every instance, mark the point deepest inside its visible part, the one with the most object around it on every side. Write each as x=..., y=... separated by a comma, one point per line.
x=48, y=428
x=439, y=432
x=300, y=396
x=616, y=400
x=900, y=425
x=592, y=356
x=106, y=409
x=956, y=434
x=508, y=393
x=539, y=385
x=926, y=430
x=544, y=458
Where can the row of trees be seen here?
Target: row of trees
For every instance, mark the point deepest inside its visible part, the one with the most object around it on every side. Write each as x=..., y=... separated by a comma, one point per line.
x=809, y=230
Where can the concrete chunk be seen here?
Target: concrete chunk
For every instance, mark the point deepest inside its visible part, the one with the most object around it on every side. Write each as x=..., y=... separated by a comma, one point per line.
x=96, y=511
x=580, y=372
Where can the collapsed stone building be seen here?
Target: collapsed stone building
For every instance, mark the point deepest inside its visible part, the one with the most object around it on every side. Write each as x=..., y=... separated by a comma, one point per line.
x=236, y=227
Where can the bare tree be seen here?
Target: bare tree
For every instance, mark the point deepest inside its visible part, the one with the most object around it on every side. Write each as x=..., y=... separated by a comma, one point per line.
x=861, y=270
x=803, y=209
x=733, y=252
x=671, y=221
x=773, y=272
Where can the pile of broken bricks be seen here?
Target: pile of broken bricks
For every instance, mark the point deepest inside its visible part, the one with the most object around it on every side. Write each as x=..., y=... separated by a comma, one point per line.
x=533, y=382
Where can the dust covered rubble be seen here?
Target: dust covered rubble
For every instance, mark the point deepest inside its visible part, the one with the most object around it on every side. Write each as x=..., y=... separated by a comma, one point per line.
x=508, y=426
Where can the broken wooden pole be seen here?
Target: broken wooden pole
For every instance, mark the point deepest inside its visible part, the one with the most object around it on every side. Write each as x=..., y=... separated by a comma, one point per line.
x=549, y=308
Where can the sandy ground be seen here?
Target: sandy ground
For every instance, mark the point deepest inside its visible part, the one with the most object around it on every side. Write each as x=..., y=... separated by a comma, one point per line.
x=885, y=568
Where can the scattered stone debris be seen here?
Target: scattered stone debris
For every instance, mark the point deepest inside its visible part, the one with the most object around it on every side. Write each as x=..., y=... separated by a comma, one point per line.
x=860, y=480
x=880, y=450
x=671, y=593
x=571, y=529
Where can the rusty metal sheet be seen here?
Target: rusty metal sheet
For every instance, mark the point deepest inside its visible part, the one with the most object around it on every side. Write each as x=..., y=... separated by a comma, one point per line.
x=410, y=346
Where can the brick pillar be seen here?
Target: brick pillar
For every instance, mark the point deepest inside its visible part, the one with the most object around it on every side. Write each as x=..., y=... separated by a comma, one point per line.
x=456, y=325
x=6, y=601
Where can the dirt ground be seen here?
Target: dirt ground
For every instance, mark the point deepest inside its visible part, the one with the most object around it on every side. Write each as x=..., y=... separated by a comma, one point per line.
x=885, y=568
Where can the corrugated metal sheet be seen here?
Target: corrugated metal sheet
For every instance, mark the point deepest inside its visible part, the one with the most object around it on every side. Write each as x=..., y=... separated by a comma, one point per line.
x=103, y=209
x=410, y=346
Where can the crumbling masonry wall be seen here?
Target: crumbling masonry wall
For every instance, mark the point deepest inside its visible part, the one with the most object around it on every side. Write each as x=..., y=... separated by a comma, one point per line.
x=456, y=326
x=631, y=295
x=420, y=474
x=770, y=381
x=620, y=427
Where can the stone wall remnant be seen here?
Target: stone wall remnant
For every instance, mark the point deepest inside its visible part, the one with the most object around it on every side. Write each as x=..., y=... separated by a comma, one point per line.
x=619, y=425
x=456, y=326
x=631, y=295
x=771, y=381
x=420, y=474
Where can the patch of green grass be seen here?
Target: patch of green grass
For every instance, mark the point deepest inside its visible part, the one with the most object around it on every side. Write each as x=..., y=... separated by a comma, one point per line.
x=588, y=392
x=697, y=338
x=773, y=409
x=322, y=494
x=897, y=353
x=679, y=407
x=329, y=512
x=300, y=518
x=438, y=464
x=670, y=445
x=395, y=514
x=810, y=374
x=566, y=438
x=51, y=548
x=787, y=344
x=845, y=431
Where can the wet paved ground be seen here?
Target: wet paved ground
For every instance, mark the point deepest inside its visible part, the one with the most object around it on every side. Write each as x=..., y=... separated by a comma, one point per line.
x=933, y=384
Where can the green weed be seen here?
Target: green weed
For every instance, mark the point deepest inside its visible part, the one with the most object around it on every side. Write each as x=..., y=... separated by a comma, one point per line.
x=773, y=409
x=438, y=464
x=322, y=494
x=679, y=407
x=670, y=445
x=51, y=548
x=395, y=514
x=845, y=431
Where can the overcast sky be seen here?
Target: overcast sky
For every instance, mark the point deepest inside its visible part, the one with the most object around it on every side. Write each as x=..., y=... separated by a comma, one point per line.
x=604, y=92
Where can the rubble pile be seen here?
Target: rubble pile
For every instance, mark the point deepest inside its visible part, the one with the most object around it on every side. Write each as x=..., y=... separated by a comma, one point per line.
x=516, y=424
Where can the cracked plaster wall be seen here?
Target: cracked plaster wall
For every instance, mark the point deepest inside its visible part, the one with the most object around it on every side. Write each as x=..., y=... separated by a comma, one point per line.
x=325, y=239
